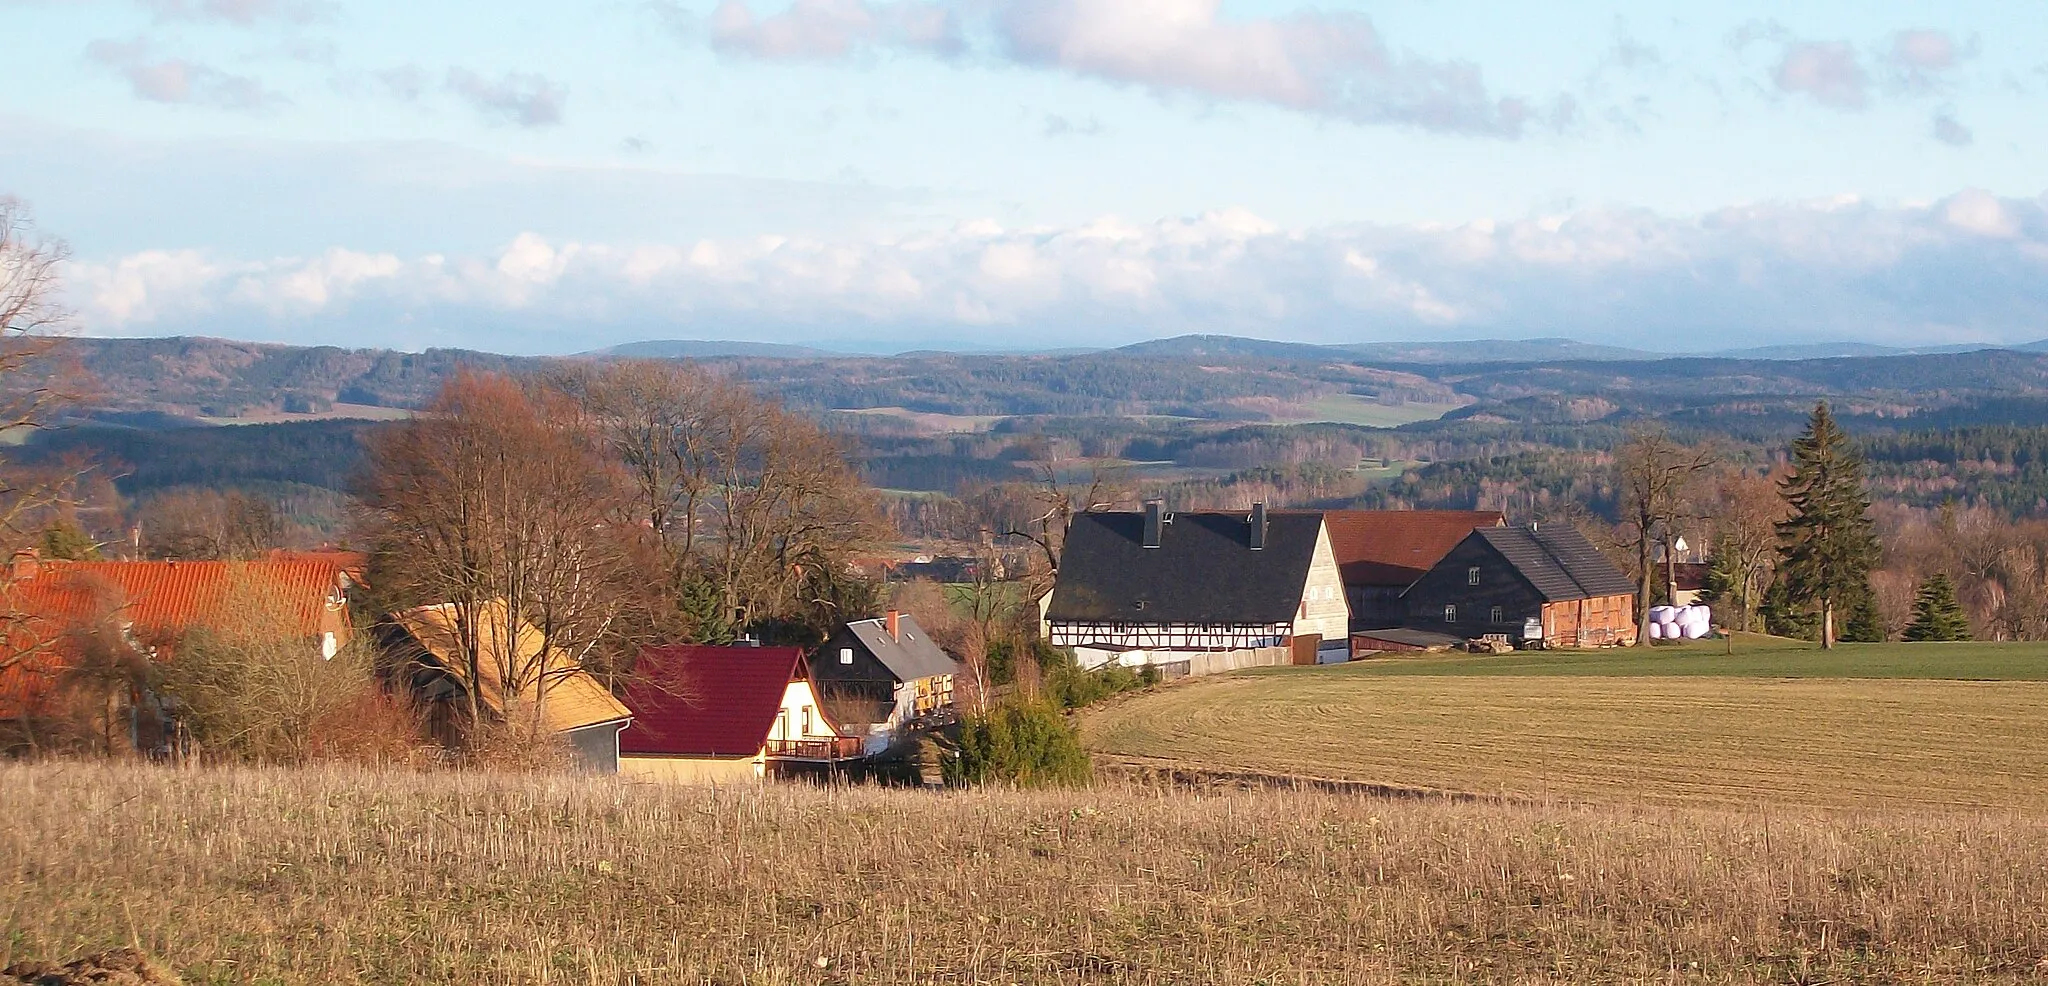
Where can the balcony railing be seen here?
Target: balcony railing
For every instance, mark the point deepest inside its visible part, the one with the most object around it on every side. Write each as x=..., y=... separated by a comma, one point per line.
x=838, y=748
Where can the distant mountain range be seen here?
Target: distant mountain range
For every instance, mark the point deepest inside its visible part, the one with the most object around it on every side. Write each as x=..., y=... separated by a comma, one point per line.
x=1195, y=346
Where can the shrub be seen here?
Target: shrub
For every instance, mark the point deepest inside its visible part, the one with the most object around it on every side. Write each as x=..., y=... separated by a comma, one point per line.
x=1069, y=687
x=1025, y=745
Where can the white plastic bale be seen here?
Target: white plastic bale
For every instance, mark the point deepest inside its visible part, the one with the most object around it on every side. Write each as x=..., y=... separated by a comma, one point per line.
x=1656, y=631
x=1663, y=614
x=1695, y=631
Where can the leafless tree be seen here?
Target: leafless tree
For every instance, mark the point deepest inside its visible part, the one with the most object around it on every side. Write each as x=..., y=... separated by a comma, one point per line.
x=739, y=491
x=1746, y=512
x=1656, y=479
x=497, y=503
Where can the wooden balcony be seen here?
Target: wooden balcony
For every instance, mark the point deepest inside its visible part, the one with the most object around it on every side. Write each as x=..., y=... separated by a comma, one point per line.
x=816, y=750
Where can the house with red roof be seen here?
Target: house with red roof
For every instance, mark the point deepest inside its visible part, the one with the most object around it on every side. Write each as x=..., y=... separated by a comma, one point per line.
x=725, y=715
x=49, y=609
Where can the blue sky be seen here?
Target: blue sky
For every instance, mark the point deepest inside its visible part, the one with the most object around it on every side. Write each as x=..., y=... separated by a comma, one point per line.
x=883, y=174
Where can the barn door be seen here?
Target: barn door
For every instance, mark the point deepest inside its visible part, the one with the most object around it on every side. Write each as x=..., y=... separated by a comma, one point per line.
x=1305, y=647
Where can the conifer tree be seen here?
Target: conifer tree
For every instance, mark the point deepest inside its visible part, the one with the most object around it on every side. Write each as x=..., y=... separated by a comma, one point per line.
x=1936, y=613
x=1828, y=544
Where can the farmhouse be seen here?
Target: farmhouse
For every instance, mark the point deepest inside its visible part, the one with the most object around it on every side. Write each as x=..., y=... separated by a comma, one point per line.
x=884, y=680
x=725, y=715
x=423, y=648
x=1198, y=592
x=50, y=609
x=1382, y=552
x=1533, y=583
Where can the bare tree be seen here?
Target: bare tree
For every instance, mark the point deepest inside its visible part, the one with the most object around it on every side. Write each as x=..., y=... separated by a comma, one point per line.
x=29, y=312
x=758, y=502
x=208, y=525
x=497, y=504
x=1656, y=477
x=1747, y=510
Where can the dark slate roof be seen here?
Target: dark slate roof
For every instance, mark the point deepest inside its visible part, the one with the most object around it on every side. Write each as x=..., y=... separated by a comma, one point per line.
x=707, y=701
x=911, y=655
x=1204, y=570
x=1558, y=561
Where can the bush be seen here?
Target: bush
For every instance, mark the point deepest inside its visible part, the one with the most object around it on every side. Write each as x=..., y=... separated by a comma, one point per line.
x=1069, y=687
x=1025, y=745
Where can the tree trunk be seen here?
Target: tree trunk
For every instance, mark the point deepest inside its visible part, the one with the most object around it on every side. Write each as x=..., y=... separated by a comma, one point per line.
x=1643, y=569
x=1827, y=624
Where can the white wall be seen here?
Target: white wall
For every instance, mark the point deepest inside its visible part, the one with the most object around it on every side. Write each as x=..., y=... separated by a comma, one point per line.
x=1328, y=613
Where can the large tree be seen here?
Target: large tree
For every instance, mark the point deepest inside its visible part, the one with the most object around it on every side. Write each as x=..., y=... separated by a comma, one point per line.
x=1657, y=475
x=29, y=309
x=756, y=509
x=497, y=502
x=1827, y=542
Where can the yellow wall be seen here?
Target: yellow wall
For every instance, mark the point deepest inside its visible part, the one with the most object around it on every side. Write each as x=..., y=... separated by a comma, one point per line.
x=692, y=770
x=796, y=697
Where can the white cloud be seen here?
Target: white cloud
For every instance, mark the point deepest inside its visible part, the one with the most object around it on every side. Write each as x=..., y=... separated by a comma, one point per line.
x=832, y=28
x=177, y=80
x=1331, y=64
x=1334, y=64
x=1829, y=72
x=1972, y=267
x=520, y=98
x=1919, y=59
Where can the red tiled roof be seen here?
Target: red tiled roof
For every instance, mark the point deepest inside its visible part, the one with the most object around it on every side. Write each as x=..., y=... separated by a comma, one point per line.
x=156, y=600
x=1396, y=547
x=707, y=701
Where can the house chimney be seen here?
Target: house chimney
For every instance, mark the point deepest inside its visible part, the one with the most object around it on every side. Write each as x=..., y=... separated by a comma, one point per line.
x=894, y=624
x=1259, y=526
x=24, y=564
x=1155, y=522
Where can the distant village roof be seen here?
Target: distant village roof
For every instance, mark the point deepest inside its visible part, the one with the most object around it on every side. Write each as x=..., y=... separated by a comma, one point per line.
x=707, y=701
x=46, y=602
x=1204, y=570
x=1396, y=547
x=909, y=655
x=573, y=698
x=1558, y=561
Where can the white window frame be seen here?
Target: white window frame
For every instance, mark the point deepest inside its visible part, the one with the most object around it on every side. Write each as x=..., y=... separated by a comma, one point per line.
x=1472, y=575
x=1450, y=612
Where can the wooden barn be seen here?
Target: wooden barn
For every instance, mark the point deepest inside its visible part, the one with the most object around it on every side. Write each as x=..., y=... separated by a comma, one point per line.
x=1537, y=583
x=1199, y=592
x=725, y=715
x=1380, y=553
x=885, y=680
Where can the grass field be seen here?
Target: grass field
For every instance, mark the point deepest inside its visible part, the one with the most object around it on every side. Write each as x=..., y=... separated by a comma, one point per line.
x=1354, y=409
x=1884, y=725
x=339, y=876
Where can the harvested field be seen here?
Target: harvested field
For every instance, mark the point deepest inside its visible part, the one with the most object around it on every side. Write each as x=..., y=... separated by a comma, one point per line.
x=1674, y=740
x=334, y=876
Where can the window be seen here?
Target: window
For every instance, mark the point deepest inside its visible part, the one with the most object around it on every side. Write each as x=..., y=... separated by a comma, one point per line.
x=846, y=655
x=809, y=727
x=1499, y=615
x=1472, y=575
x=1450, y=612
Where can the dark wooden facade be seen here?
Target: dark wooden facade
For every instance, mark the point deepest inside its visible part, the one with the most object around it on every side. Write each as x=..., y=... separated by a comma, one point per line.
x=1476, y=592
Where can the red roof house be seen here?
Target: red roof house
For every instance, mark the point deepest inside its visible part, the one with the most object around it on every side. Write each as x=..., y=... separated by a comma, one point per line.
x=45, y=605
x=721, y=715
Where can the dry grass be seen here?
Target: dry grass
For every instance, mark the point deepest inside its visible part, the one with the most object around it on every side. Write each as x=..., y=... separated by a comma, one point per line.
x=333, y=876
x=1733, y=741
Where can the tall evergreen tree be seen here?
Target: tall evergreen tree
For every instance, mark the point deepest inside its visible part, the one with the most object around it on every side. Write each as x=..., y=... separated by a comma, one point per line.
x=1936, y=613
x=1828, y=544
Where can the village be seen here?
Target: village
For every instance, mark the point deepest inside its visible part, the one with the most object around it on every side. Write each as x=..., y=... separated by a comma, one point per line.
x=1168, y=594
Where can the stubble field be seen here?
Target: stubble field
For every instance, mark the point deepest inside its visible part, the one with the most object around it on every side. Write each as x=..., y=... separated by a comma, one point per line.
x=338, y=876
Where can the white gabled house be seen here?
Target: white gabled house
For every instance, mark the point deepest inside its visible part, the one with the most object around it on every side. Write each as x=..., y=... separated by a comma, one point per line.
x=1198, y=592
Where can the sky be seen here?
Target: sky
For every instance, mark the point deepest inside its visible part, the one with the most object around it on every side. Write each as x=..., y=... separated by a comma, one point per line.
x=877, y=175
